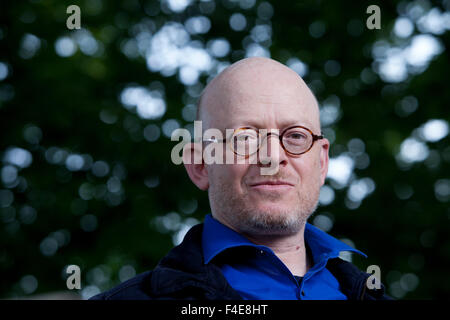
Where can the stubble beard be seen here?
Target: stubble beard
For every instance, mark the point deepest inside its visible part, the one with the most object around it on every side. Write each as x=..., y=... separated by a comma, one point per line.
x=238, y=212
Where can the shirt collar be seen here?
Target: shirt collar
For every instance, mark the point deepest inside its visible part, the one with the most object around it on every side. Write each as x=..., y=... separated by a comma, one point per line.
x=217, y=237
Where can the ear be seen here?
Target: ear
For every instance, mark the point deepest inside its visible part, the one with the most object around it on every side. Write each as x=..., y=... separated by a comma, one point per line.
x=195, y=167
x=324, y=158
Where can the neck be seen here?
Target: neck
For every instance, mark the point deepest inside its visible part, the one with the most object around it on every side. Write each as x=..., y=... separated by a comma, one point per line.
x=290, y=249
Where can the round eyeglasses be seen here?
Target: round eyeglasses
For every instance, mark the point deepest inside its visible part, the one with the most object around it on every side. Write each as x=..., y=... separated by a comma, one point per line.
x=294, y=140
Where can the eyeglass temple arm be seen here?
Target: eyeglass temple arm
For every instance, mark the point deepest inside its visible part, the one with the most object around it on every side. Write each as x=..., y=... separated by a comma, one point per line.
x=316, y=137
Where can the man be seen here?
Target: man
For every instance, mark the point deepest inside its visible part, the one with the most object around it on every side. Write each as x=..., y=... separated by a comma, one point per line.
x=256, y=243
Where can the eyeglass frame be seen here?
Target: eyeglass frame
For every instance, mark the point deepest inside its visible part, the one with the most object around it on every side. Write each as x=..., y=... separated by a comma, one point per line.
x=280, y=137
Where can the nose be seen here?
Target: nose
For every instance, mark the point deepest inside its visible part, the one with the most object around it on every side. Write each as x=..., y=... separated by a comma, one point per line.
x=271, y=154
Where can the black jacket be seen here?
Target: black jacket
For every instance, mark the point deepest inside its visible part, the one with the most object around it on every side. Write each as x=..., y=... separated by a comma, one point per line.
x=182, y=275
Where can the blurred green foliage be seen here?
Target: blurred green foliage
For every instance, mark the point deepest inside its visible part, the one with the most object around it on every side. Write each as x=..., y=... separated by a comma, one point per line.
x=87, y=179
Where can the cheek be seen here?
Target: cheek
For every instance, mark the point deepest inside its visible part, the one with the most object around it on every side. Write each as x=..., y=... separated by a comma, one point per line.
x=228, y=176
x=308, y=170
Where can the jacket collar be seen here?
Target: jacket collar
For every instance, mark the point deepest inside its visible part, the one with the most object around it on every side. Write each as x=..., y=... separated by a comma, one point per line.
x=183, y=268
x=353, y=281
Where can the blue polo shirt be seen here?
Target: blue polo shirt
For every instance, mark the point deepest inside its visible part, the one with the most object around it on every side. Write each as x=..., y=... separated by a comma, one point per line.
x=255, y=272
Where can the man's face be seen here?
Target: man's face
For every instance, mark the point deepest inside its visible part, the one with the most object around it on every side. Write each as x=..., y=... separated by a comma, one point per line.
x=240, y=196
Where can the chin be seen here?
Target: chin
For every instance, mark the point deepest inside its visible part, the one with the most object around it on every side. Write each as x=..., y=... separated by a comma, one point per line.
x=274, y=209
x=274, y=214
x=271, y=222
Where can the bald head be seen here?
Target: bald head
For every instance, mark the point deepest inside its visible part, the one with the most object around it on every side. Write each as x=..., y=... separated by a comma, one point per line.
x=253, y=89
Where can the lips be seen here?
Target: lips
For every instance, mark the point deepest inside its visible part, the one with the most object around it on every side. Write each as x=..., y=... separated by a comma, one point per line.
x=271, y=185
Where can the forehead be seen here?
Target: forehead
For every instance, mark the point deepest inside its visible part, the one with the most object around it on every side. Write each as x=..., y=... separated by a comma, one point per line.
x=264, y=104
x=266, y=110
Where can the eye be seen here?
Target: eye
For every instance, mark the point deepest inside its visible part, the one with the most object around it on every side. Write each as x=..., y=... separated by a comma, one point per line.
x=246, y=136
x=243, y=137
x=296, y=135
x=296, y=138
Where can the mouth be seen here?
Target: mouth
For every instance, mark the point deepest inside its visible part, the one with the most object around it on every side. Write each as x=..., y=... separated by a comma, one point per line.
x=272, y=185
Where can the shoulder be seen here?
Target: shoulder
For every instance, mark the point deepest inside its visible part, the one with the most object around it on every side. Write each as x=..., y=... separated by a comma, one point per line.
x=182, y=262
x=136, y=288
x=353, y=281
